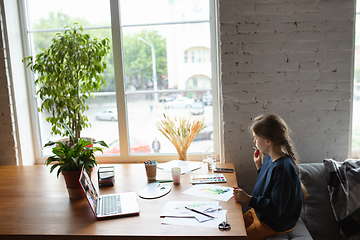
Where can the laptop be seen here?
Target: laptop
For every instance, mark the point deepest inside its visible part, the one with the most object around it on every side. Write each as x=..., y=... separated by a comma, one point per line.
x=110, y=205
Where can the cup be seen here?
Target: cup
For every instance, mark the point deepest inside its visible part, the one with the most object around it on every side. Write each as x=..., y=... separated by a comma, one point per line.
x=176, y=172
x=151, y=172
x=211, y=160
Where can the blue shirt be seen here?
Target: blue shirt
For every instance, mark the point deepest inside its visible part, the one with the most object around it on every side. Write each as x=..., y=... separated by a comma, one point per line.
x=277, y=195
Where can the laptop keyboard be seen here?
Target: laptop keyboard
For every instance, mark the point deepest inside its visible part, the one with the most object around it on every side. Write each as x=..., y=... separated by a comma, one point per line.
x=110, y=205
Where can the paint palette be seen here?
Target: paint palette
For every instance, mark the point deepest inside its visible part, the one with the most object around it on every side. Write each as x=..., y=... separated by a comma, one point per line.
x=212, y=178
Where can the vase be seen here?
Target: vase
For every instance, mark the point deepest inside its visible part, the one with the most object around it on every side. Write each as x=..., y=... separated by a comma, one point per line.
x=182, y=155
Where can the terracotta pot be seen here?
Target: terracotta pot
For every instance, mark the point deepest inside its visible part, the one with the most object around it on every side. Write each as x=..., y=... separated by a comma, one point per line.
x=72, y=183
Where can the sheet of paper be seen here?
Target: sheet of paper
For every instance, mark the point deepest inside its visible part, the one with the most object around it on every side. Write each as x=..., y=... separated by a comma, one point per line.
x=194, y=223
x=211, y=191
x=186, y=166
x=202, y=218
x=177, y=208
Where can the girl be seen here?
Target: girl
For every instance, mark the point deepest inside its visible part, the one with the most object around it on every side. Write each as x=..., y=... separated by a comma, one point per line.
x=277, y=197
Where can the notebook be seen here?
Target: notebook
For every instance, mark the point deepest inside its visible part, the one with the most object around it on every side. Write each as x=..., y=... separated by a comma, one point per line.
x=110, y=205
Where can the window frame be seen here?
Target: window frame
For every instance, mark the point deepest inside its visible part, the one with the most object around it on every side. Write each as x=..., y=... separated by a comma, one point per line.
x=353, y=152
x=121, y=94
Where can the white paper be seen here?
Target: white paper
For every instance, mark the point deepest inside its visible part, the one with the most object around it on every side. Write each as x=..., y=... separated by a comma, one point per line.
x=186, y=166
x=211, y=191
x=194, y=223
x=177, y=208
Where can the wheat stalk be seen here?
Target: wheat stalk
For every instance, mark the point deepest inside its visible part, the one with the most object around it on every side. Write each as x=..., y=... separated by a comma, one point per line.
x=181, y=132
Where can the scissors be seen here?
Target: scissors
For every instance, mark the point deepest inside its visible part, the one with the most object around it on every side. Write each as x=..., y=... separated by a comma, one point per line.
x=224, y=225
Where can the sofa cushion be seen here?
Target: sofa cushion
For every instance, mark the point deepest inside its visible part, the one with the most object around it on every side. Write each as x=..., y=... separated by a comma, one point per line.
x=300, y=232
x=317, y=213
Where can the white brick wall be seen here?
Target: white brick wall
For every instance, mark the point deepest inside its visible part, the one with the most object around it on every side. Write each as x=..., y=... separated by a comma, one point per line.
x=7, y=142
x=292, y=58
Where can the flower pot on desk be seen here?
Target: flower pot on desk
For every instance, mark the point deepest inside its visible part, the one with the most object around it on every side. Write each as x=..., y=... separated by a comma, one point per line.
x=72, y=183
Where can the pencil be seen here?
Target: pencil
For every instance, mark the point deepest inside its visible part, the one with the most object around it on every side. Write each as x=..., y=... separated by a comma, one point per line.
x=194, y=210
x=163, y=181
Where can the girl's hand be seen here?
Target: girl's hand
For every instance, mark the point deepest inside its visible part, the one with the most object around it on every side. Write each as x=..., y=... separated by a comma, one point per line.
x=241, y=196
x=258, y=159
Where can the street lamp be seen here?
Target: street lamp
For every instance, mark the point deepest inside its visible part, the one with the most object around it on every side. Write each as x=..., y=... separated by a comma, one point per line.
x=154, y=78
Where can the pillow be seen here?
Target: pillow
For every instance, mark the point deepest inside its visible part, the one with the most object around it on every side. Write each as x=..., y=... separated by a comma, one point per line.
x=344, y=190
x=317, y=213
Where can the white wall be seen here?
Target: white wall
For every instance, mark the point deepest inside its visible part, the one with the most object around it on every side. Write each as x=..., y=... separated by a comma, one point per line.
x=292, y=58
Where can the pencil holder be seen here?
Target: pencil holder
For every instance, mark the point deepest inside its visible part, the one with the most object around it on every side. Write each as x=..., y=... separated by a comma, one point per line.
x=151, y=172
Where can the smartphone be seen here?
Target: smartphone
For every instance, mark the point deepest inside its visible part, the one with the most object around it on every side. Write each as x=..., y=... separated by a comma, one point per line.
x=225, y=170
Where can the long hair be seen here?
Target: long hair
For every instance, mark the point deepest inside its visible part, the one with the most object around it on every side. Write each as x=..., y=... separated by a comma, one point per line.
x=274, y=128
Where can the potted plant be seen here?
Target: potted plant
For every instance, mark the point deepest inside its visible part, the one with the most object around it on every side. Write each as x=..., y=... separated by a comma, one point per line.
x=69, y=71
x=71, y=158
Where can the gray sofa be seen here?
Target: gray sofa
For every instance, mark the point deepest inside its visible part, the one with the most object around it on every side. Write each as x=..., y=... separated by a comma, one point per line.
x=317, y=220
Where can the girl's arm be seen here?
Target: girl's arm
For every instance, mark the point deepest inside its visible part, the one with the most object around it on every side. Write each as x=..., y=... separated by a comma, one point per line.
x=281, y=192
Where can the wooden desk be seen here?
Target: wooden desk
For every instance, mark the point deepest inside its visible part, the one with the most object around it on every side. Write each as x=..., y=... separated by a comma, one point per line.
x=35, y=204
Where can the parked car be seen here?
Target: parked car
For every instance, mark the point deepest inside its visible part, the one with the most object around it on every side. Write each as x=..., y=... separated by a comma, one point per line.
x=136, y=146
x=169, y=97
x=197, y=108
x=108, y=114
x=206, y=99
x=207, y=133
x=180, y=102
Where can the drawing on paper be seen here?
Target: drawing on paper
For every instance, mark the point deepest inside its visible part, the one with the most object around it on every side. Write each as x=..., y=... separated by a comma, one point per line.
x=215, y=191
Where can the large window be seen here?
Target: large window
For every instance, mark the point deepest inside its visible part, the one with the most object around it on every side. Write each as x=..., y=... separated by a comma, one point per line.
x=162, y=61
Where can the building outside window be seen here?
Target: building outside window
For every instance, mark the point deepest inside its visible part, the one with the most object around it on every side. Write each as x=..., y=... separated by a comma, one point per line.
x=144, y=75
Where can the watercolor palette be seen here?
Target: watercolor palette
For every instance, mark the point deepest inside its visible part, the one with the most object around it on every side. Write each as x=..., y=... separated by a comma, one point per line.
x=212, y=178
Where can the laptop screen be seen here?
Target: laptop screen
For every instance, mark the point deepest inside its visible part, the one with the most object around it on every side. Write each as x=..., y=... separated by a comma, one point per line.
x=89, y=189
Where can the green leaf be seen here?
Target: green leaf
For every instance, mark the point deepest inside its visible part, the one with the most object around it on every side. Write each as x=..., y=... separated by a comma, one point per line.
x=102, y=143
x=61, y=81
x=50, y=143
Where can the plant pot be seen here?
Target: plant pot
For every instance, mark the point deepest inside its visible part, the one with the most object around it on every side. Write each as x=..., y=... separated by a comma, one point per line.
x=72, y=183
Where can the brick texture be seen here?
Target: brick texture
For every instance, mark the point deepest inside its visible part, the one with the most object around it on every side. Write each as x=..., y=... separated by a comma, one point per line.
x=292, y=58
x=7, y=142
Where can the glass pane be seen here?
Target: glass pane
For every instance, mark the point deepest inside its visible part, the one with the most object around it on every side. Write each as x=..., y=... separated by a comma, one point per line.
x=172, y=69
x=102, y=115
x=162, y=11
x=165, y=65
x=169, y=65
x=54, y=16
x=42, y=40
x=144, y=112
x=45, y=14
